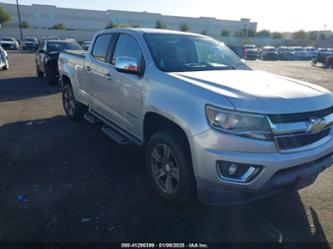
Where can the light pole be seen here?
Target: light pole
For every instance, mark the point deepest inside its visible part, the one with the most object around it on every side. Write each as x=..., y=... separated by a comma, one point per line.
x=19, y=18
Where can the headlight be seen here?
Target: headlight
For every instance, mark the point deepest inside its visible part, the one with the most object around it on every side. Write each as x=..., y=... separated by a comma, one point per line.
x=238, y=123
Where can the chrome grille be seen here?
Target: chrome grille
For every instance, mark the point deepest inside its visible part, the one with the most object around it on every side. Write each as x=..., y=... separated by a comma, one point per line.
x=300, y=140
x=301, y=131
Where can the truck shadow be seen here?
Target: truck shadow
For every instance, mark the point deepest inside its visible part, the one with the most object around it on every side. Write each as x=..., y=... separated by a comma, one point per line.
x=13, y=89
x=78, y=185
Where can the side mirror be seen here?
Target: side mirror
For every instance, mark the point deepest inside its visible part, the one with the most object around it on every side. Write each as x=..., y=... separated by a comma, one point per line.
x=128, y=65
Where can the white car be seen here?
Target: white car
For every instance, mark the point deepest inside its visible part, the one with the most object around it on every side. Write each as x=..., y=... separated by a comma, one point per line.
x=9, y=43
x=30, y=43
x=4, y=64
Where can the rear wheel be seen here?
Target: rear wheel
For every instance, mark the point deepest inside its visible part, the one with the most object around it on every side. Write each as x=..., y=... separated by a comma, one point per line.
x=50, y=76
x=169, y=167
x=73, y=109
x=40, y=74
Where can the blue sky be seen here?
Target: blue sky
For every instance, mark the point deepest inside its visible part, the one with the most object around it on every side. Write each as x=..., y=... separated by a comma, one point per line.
x=276, y=15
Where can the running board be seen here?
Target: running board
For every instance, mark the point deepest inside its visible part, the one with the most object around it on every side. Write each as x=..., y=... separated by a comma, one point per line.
x=91, y=118
x=112, y=130
x=116, y=136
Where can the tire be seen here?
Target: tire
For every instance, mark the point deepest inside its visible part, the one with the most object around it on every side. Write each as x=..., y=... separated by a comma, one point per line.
x=5, y=67
x=40, y=74
x=162, y=174
x=73, y=109
x=50, y=77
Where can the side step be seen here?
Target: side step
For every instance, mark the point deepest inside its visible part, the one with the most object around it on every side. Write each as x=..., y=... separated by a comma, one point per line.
x=91, y=118
x=119, y=138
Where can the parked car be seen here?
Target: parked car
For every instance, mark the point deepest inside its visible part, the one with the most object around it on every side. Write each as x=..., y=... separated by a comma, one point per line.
x=324, y=57
x=47, y=57
x=4, y=63
x=9, y=43
x=86, y=45
x=311, y=53
x=50, y=38
x=286, y=53
x=250, y=52
x=211, y=127
x=323, y=51
x=269, y=53
x=30, y=43
x=330, y=51
x=300, y=53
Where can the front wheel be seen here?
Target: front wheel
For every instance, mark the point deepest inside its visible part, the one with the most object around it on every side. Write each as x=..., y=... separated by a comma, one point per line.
x=73, y=109
x=6, y=66
x=169, y=167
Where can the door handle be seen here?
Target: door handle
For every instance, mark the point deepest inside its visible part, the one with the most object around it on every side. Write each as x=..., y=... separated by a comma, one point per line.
x=108, y=76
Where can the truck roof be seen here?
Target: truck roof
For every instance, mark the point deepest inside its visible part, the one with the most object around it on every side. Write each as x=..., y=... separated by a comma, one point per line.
x=149, y=31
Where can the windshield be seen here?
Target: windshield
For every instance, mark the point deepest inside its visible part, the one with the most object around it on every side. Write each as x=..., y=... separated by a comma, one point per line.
x=60, y=46
x=270, y=49
x=7, y=39
x=179, y=53
x=30, y=39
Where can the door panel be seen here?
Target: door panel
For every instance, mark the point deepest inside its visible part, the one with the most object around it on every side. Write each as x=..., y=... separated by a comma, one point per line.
x=128, y=87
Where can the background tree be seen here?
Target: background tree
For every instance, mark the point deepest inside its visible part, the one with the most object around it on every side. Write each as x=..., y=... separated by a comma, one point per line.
x=160, y=25
x=301, y=34
x=225, y=33
x=24, y=25
x=322, y=36
x=239, y=34
x=110, y=25
x=4, y=16
x=58, y=26
x=313, y=35
x=250, y=32
x=264, y=33
x=184, y=27
x=277, y=35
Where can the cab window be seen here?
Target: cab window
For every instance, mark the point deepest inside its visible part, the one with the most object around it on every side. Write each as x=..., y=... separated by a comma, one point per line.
x=126, y=46
x=101, y=47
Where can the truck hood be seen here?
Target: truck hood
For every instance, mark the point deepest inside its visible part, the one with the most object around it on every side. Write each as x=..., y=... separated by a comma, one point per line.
x=261, y=92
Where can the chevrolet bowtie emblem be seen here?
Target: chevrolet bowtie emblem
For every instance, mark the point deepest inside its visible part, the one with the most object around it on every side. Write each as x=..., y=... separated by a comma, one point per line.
x=316, y=125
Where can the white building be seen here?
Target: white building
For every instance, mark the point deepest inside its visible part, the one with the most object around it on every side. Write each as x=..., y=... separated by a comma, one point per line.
x=42, y=17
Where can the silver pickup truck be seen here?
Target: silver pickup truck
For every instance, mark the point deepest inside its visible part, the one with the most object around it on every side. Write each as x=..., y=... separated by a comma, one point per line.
x=212, y=128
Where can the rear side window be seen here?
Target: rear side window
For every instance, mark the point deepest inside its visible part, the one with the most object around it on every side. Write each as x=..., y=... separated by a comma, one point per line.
x=101, y=47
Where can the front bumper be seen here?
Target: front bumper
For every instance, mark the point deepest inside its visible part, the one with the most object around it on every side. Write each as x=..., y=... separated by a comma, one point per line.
x=279, y=171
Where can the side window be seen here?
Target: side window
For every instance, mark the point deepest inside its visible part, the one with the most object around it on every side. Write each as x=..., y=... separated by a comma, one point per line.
x=101, y=46
x=126, y=46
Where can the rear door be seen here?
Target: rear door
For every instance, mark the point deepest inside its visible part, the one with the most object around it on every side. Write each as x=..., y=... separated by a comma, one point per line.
x=98, y=83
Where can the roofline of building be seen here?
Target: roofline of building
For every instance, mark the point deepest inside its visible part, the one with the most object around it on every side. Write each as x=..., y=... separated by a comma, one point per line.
x=137, y=12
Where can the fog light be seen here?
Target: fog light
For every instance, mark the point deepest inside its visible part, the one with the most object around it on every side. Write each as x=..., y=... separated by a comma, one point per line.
x=230, y=171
